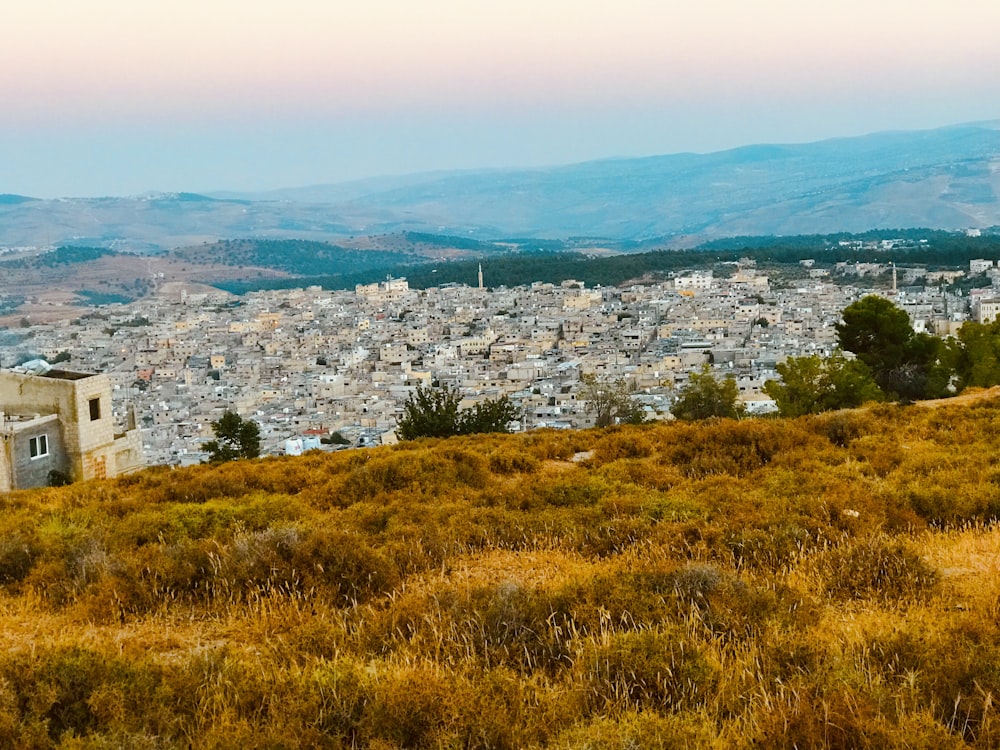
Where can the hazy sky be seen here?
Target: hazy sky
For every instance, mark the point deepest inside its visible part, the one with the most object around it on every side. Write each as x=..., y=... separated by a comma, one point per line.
x=118, y=97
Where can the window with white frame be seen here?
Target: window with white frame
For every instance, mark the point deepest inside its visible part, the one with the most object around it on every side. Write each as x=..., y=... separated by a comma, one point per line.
x=39, y=446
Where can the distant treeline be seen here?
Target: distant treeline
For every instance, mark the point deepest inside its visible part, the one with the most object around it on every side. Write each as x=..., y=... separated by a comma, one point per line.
x=451, y=242
x=511, y=269
x=104, y=298
x=522, y=268
x=300, y=257
x=940, y=249
x=62, y=256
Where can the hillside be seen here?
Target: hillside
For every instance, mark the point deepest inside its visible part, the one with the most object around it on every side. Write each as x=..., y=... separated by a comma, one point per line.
x=829, y=581
x=947, y=178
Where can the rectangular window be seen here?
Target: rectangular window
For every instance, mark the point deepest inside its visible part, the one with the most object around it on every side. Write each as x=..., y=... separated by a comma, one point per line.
x=95, y=409
x=39, y=446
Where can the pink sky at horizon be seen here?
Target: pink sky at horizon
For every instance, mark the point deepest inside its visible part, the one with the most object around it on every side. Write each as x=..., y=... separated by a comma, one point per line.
x=630, y=77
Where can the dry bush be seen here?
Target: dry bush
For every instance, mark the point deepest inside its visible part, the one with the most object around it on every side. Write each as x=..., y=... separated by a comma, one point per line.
x=343, y=566
x=557, y=445
x=841, y=428
x=512, y=461
x=417, y=471
x=733, y=448
x=619, y=443
x=643, y=473
x=640, y=729
x=801, y=716
x=19, y=549
x=772, y=548
x=875, y=567
x=644, y=669
x=410, y=707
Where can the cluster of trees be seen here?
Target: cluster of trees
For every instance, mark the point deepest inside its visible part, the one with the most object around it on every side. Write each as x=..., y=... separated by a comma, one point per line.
x=891, y=362
x=435, y=412
x=61, y=256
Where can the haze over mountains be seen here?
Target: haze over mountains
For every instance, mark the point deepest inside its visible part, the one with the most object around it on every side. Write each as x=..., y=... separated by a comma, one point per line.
x=948, y=178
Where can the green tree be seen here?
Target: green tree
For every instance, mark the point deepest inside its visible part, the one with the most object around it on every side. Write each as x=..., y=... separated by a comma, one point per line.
x=610, y=401
x=491, y=415
x=976, y=355
x=704, y=396
x=813, y=384
x=235, y=438
x=434, y=412
x=904, y=364
x=429, y=412
x=335, y=438
x=876, y=332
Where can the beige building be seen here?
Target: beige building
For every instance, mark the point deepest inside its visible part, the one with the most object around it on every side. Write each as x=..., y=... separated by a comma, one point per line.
x=987, y=310
x=57, y=426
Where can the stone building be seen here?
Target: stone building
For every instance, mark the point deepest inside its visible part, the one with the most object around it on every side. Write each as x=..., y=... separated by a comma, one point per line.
x=58, y=426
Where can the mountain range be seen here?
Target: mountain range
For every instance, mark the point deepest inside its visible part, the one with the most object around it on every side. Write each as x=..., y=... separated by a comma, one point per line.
x=947, y=178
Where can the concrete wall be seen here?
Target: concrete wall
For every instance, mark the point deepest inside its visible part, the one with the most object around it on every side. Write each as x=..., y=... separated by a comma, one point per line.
x=27, y=472
x=87, y=433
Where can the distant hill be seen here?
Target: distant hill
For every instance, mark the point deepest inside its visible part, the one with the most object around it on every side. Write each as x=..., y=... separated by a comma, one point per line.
x=948, y=178
x=9, y=199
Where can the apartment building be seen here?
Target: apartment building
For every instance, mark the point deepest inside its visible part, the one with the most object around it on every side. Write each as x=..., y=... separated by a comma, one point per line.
x=57, y=426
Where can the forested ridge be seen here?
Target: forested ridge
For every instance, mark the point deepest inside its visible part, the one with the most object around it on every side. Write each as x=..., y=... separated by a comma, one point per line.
x=299, y=257
x=824, y=581
x=554, y=261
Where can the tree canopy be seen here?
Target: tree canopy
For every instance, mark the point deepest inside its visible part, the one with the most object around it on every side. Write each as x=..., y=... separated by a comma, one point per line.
x=705, y=396
x=235, y=438
x=434, y=412
x=610, y=401
x=904, y=364
x=977, y=358
x=810, y=385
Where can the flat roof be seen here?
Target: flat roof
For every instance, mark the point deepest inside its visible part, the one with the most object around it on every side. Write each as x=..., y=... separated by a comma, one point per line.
x=67, y=375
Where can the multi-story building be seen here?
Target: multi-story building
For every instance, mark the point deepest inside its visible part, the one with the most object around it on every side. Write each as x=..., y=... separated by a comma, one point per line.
x=58, y=426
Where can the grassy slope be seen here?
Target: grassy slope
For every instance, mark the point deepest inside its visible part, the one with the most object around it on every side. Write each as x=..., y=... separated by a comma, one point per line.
x=824, y=582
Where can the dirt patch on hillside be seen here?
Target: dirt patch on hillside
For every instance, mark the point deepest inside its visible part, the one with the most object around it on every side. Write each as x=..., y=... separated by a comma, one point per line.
x=968, y=397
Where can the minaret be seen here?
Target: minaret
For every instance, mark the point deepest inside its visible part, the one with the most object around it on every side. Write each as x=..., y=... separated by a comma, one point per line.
x=480, y=275
x=894, y=278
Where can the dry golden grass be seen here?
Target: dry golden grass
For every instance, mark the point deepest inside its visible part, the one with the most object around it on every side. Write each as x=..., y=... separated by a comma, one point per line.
x=829, y=581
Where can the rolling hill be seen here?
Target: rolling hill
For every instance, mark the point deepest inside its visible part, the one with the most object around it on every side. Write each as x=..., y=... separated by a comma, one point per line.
x=948, y=178
x=828, y=581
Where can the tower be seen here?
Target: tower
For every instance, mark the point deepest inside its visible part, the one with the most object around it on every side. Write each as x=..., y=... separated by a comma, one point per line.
x=480, y=275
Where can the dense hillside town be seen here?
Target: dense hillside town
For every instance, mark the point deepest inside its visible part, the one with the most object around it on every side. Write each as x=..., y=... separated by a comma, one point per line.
x=308, y=363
